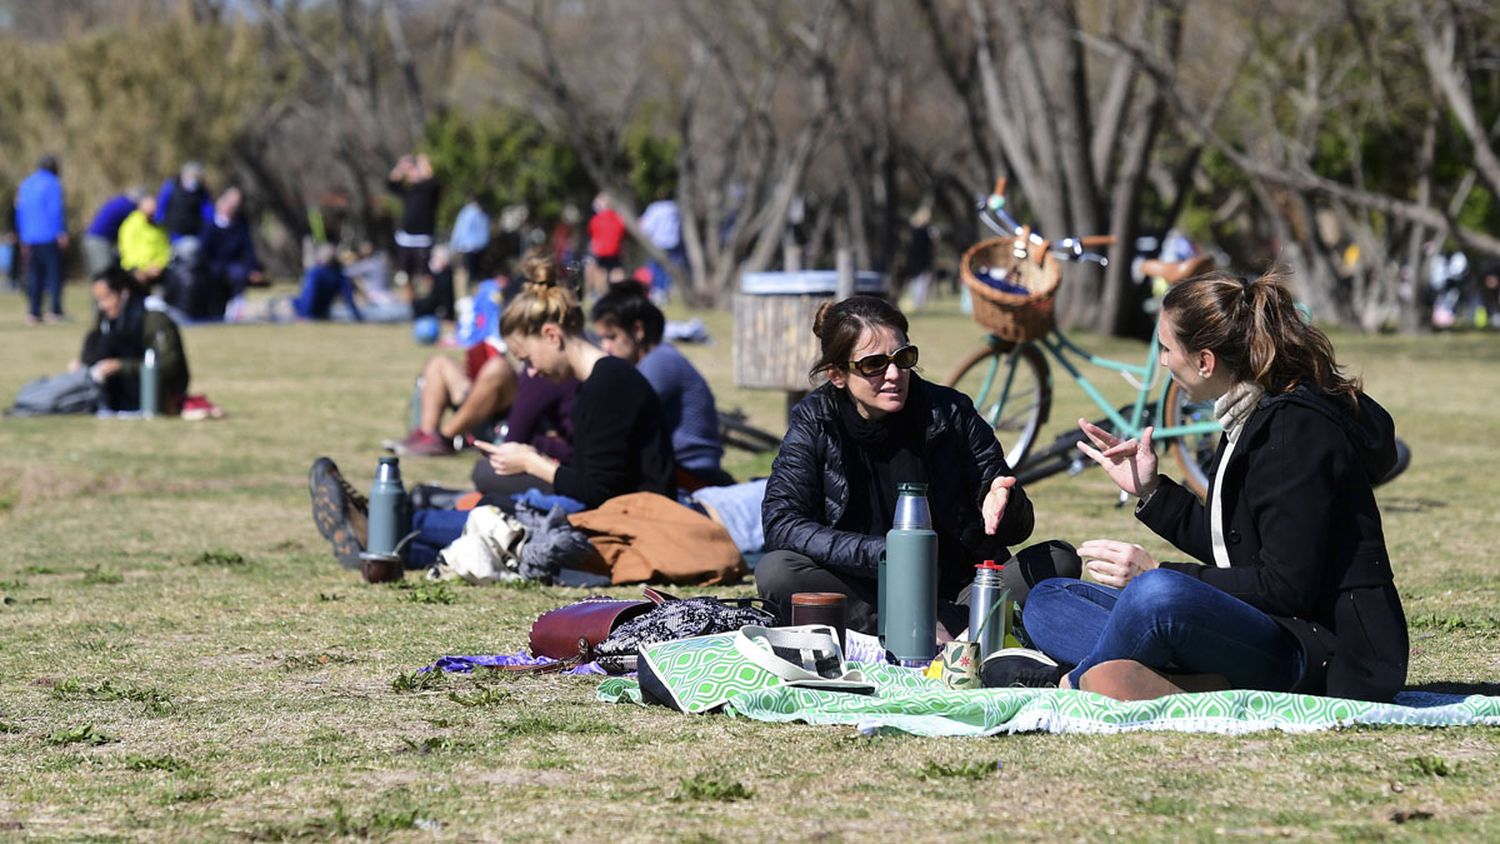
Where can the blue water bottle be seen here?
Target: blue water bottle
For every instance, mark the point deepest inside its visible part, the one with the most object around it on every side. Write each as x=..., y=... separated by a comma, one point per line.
x=390, y=517
x=908, y=590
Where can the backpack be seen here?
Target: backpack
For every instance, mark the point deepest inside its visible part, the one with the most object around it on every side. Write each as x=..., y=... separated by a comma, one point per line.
x=72, y=392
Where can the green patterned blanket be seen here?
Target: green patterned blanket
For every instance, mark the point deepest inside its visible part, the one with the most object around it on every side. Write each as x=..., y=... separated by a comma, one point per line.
x=911, y=703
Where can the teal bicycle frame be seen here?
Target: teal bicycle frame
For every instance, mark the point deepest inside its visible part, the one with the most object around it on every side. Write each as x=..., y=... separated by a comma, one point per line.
x=1149, y=375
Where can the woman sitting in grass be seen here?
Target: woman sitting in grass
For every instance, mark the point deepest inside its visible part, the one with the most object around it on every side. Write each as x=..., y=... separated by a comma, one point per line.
x=874, y=424
x=124, y=331
x=1295, y=590
x=620, y=444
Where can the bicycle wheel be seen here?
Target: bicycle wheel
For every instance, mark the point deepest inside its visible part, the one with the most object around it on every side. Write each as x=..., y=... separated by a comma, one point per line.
x=1012, y=389
x=1195, y=452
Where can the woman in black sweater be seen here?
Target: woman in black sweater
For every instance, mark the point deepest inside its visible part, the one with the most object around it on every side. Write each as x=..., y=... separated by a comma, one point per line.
x=620, y=444
x=1294, y=591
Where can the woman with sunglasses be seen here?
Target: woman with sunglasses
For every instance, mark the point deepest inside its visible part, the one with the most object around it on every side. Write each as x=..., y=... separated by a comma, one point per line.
x=874, y=424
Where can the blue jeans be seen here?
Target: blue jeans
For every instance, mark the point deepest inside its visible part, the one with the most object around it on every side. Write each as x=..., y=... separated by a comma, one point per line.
x=1165, y=620
x=44, y=271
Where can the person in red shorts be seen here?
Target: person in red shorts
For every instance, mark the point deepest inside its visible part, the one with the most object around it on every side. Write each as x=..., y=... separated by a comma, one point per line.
x=486, y=387
x=606, y=241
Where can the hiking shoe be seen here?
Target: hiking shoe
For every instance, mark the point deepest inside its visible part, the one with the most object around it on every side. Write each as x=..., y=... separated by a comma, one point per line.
x=340, y=512
x=1020, y=668
x=199, y=407
x=423, y=444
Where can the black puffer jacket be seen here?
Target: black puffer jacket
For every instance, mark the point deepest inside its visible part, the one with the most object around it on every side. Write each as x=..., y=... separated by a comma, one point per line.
x=809, y=488
x=1303, y=534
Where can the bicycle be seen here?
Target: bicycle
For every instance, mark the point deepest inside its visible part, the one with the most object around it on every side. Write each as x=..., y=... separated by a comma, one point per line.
x=1017, y=308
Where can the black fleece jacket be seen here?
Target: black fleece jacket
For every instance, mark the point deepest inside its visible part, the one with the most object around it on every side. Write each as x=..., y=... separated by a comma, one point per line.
x=811, y=481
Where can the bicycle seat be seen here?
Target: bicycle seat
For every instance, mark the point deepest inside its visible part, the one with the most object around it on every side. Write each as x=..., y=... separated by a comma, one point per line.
x=1176, y=271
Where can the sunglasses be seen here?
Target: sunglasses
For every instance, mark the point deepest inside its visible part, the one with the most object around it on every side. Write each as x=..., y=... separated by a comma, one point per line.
x=873, y=365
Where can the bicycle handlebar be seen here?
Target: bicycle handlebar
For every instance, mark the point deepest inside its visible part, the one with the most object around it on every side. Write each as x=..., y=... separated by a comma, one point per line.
x=1175, y=271
x=993, y=214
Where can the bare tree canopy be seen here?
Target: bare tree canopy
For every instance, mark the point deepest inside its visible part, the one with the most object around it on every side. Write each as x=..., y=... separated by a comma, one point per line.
x=1344, y=139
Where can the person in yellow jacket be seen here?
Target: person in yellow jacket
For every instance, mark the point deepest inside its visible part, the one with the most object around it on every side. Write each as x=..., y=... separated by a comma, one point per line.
x=144, y=248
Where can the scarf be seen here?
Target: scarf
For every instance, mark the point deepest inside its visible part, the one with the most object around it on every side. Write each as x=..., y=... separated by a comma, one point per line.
x=1232, y=409
x=878, y=455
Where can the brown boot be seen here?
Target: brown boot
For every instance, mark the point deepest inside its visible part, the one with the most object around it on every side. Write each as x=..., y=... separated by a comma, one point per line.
x=1126, y=679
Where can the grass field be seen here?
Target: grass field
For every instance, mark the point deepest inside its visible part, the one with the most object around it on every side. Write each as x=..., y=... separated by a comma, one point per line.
x=181, y=659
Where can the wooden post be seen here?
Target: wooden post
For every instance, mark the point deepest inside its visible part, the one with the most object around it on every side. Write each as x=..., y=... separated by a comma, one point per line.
x=845, y=266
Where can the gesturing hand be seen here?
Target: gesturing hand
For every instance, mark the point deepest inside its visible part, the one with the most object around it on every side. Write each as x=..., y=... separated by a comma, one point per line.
x=1131, y=464
x=1115, y=563
x=995, y=501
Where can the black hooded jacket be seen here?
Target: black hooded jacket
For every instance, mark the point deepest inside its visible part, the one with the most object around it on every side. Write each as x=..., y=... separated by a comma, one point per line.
x=808, y=494
x=1304, y=539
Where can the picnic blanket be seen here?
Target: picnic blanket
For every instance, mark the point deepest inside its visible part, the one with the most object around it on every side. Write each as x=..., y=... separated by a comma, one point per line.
x=905, y=701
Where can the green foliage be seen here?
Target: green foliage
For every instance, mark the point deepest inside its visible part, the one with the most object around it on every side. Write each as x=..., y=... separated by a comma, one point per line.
x=436, y=744
x=711, y=787
x=504, y=158
x=417, y=681
x=7, y=727
x=488, y=696
x=220, y=558
x=531, y=723
x=137, y=762
x=83, y=734
x=1432, y=766
x=977, y=770
x=100, y=576
x=1449, y=621
x=156, y=701
x=184, y=794
x=127, y=106
x=653, y=163
x=316, y=661
x=426, y=591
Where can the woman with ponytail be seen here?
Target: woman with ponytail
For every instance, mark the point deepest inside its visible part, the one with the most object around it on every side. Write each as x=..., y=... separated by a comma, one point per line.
x=1293, y=588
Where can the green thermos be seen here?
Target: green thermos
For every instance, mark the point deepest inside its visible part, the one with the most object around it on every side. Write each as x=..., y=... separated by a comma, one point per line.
x=390, y=516
x=150, y=385
x=908, y=580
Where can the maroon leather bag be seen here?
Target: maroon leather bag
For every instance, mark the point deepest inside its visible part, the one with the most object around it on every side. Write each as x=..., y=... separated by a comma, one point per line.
x=574, y=630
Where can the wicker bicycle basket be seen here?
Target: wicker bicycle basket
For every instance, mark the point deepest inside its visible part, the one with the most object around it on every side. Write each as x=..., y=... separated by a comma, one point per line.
x=1012, y=316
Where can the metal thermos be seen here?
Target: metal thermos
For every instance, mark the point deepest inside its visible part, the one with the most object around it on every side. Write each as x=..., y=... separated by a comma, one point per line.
x=989, y=608
x=908, y=590
x=390, y=517
x=150, y=385
x=416, y=404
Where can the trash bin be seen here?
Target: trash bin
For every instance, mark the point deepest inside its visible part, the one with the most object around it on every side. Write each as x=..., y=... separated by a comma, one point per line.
x=773, y=315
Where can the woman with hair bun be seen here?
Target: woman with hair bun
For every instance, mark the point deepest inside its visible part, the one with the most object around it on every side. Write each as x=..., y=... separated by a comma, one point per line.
x=620, y=443
x=873, y=424
x=1294, y=592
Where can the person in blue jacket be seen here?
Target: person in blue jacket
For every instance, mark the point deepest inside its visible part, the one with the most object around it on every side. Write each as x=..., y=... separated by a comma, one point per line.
x=228, y=248
x=44, y=235
x=184, y=204
x=321, y=284
x=101, y=238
